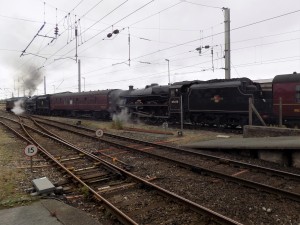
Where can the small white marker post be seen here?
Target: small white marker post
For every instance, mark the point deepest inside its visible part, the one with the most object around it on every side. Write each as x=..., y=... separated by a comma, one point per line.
x=99, y=133
x=30, y=150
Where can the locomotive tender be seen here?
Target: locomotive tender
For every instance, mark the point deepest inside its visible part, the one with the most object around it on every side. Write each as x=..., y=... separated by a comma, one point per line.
x=221, y=102
x=213, y=102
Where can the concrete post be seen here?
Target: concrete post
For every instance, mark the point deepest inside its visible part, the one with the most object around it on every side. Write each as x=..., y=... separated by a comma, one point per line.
x=227, y=43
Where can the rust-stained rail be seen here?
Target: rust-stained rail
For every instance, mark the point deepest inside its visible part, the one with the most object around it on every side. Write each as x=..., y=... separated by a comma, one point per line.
x=194, y=206
x=252, y=184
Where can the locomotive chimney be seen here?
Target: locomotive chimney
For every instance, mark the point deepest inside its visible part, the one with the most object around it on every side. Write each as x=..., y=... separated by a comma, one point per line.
x=131, y=88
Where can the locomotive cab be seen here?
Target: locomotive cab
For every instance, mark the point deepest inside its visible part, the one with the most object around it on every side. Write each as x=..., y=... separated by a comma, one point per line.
x=174, y=102
x=179, y=95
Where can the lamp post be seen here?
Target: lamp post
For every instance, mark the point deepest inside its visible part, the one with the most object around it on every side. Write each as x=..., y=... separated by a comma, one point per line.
x=83, y=83
x=168, y=70
x=53, y=89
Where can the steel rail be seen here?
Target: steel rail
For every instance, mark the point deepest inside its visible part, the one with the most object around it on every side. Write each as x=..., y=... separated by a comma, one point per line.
x=222, y=159
x=192, y=205
x=122, y=217
x=198, y=169
x=216, y=158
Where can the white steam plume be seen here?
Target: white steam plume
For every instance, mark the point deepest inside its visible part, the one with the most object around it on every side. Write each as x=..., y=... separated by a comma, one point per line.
x=123, y=116
x=18, y=107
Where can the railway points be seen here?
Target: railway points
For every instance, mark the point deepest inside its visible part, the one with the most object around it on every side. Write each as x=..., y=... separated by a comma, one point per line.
x=120, y=157
x=116, y=144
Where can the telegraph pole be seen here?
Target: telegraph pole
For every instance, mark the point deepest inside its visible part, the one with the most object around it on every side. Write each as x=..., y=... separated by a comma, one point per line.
x=44, y=84
x=79, y=77
x=18, y=87
x=83, y=83
x=168, y=71
x=227, y=42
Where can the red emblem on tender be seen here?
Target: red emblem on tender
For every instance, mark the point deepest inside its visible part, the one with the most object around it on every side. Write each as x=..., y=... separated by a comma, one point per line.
x=216, y=98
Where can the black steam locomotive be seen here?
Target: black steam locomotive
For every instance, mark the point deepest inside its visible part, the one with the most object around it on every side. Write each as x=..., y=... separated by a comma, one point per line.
x=213, y=102
x=222, y=102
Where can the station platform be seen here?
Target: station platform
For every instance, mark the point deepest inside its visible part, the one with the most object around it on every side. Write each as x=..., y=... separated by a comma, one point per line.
x=46, y=212
x=273, y=143
x=282, y=150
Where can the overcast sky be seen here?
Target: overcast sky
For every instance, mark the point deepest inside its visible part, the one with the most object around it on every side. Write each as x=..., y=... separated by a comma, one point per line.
x=159, y=30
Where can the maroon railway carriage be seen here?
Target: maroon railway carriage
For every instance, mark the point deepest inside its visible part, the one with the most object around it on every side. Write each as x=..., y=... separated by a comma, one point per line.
x=10, y=103
x=287, y=87
x=98, y=104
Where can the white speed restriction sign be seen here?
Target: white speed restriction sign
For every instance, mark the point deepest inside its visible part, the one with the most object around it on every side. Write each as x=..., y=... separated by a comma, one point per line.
x=99, y=133
x=30, y=150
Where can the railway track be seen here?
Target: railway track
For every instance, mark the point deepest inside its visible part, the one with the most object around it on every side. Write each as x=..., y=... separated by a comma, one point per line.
x=263, y=178
x=95, y=174
x=117, y=152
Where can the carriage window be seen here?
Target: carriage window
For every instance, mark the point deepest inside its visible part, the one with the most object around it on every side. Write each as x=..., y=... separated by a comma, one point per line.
x=298, y=93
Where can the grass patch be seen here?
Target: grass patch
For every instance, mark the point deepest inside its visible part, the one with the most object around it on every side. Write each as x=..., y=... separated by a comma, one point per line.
x=117, y=124
x=18, y=200
x=85, y=191
x=11, y=192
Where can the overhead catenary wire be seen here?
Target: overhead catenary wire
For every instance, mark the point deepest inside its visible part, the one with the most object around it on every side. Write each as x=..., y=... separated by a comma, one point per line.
x=106, y=27
x=123, y=70
x=203, y=5
x=84, y=32
x=278, y=60
x=118, y=22
x=237, y=28
x=177, y=59
x=189, y=51
x=232, y=29
x=33, y=39
x=22, y=19
x=136, y=67
x=151, y=75
x=265, y=20
x=157, y=13
x=42, y=66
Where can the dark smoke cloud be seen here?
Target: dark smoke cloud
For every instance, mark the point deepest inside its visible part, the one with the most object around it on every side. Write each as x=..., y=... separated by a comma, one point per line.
x=29, y=79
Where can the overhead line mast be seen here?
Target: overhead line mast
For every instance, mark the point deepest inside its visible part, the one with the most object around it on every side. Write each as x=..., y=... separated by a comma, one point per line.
x=227, y=43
